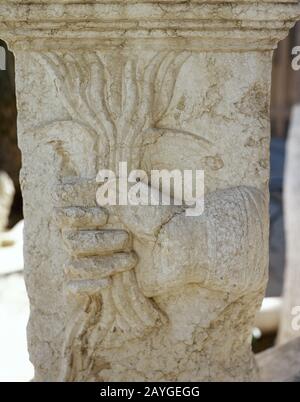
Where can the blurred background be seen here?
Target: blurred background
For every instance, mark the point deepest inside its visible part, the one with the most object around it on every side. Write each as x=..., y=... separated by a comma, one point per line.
x=14, y=307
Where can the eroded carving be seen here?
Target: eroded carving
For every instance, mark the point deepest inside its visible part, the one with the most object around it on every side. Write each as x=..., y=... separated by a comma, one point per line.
x=127, y=263
x=148, y=293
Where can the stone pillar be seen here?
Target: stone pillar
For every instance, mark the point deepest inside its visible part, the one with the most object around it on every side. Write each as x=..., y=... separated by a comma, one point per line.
x=144, y=293
x=290, y=317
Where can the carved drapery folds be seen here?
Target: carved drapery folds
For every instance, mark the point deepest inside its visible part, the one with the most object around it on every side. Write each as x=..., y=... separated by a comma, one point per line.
x=144, y=293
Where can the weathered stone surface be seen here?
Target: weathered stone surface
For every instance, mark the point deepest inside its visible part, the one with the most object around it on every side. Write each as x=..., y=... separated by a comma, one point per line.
x=160, y=85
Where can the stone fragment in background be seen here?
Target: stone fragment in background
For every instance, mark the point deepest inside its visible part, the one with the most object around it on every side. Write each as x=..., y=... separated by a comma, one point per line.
x=289, y=326
x=7, y=192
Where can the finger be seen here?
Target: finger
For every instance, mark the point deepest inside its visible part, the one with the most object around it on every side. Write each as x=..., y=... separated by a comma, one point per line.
x=80, y=217
x=100, y=267
x=95, y=242
x=75, y=191
x=87, y=287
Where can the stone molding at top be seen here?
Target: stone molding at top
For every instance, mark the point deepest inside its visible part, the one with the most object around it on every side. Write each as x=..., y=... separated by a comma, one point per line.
x=195, y=25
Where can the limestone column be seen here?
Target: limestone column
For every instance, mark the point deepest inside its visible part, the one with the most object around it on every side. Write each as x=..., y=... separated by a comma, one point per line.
x=144, y=293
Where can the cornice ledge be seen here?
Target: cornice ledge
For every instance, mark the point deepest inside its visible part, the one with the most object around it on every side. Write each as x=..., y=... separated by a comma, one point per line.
x=243, y=25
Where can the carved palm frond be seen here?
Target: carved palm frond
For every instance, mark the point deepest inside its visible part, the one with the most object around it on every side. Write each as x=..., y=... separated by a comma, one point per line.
x=155, y=85
x=80, y=80
x=118, y=106
x=140, y=97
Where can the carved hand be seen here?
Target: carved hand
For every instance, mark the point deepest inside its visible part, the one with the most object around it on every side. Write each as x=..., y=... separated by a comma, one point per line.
x=96, y=251
x=220, y=250
x=215, y=250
